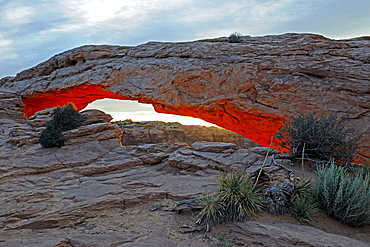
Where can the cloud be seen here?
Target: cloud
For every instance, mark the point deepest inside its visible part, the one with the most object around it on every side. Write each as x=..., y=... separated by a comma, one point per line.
x=14, y=15
x=5, y=42
x=6, y=50
x=33, y=31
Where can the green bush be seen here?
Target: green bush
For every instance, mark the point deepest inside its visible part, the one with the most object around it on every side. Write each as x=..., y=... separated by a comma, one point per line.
x=64, y=118
x=323, y=138
x=235, y=38
x=364, y=170
x=52, y=137
x=67, y=118
x=343, y=196
x=239, y=195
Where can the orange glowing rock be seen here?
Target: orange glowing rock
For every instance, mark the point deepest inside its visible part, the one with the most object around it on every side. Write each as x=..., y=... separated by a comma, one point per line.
x=80, y=96
x=260, y=129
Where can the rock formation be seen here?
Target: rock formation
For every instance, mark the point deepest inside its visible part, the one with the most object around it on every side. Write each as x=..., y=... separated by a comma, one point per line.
x=94, y=192
x=160, y=132
x=249, y=87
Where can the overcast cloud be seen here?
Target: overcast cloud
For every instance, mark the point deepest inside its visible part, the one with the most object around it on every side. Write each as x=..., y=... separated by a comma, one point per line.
x=33, y=31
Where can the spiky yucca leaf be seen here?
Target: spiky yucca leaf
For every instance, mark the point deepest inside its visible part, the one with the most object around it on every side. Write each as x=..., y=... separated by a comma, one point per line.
x=304, y=188
x=303, y=207
x=214, y=211
x=239, y=196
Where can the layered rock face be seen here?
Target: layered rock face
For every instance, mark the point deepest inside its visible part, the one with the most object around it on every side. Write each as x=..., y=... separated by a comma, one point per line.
x=135, y=133
x=90, y=192
x=249, y=87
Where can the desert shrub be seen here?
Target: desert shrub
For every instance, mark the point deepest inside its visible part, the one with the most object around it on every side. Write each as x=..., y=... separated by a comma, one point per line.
x=239, y=195
x=235, y=38
x=343, y=196
x=64, y=118
x=213, y=211
x=67, y=118
x=322, y=138
x=364, y=171
x=52, y=137
x=236, y=199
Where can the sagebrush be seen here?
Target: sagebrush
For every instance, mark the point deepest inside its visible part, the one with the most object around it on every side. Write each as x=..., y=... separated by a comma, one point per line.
x=66, y=118
x=344, y=196
x=52, y=137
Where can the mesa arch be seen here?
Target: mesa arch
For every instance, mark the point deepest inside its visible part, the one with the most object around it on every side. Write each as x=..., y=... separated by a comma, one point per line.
x=249, y=87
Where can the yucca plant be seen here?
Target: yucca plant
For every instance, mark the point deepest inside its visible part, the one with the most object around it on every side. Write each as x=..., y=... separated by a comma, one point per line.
x=303, y=207
x=342, y=196
x=304, y=188
x=213, y=211
x=239, y=195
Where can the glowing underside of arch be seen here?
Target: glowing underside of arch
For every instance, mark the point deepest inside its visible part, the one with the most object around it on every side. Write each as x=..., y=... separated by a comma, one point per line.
x=259, y=128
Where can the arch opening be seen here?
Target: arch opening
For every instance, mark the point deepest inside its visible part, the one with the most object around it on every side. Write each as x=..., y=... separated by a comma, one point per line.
x=140, y=112
x=260, y=128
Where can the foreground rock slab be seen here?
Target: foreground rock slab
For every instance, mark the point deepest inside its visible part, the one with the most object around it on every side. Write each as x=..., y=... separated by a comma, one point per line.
x=95, y=192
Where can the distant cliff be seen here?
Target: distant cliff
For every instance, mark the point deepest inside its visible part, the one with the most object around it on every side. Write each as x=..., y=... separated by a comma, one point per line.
x=135, y=133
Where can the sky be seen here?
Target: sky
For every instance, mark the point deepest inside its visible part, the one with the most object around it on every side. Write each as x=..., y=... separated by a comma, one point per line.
x=33, y=31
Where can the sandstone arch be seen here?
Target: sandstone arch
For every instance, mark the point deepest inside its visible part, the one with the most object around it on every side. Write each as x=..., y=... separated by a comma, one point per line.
x=249, y=87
